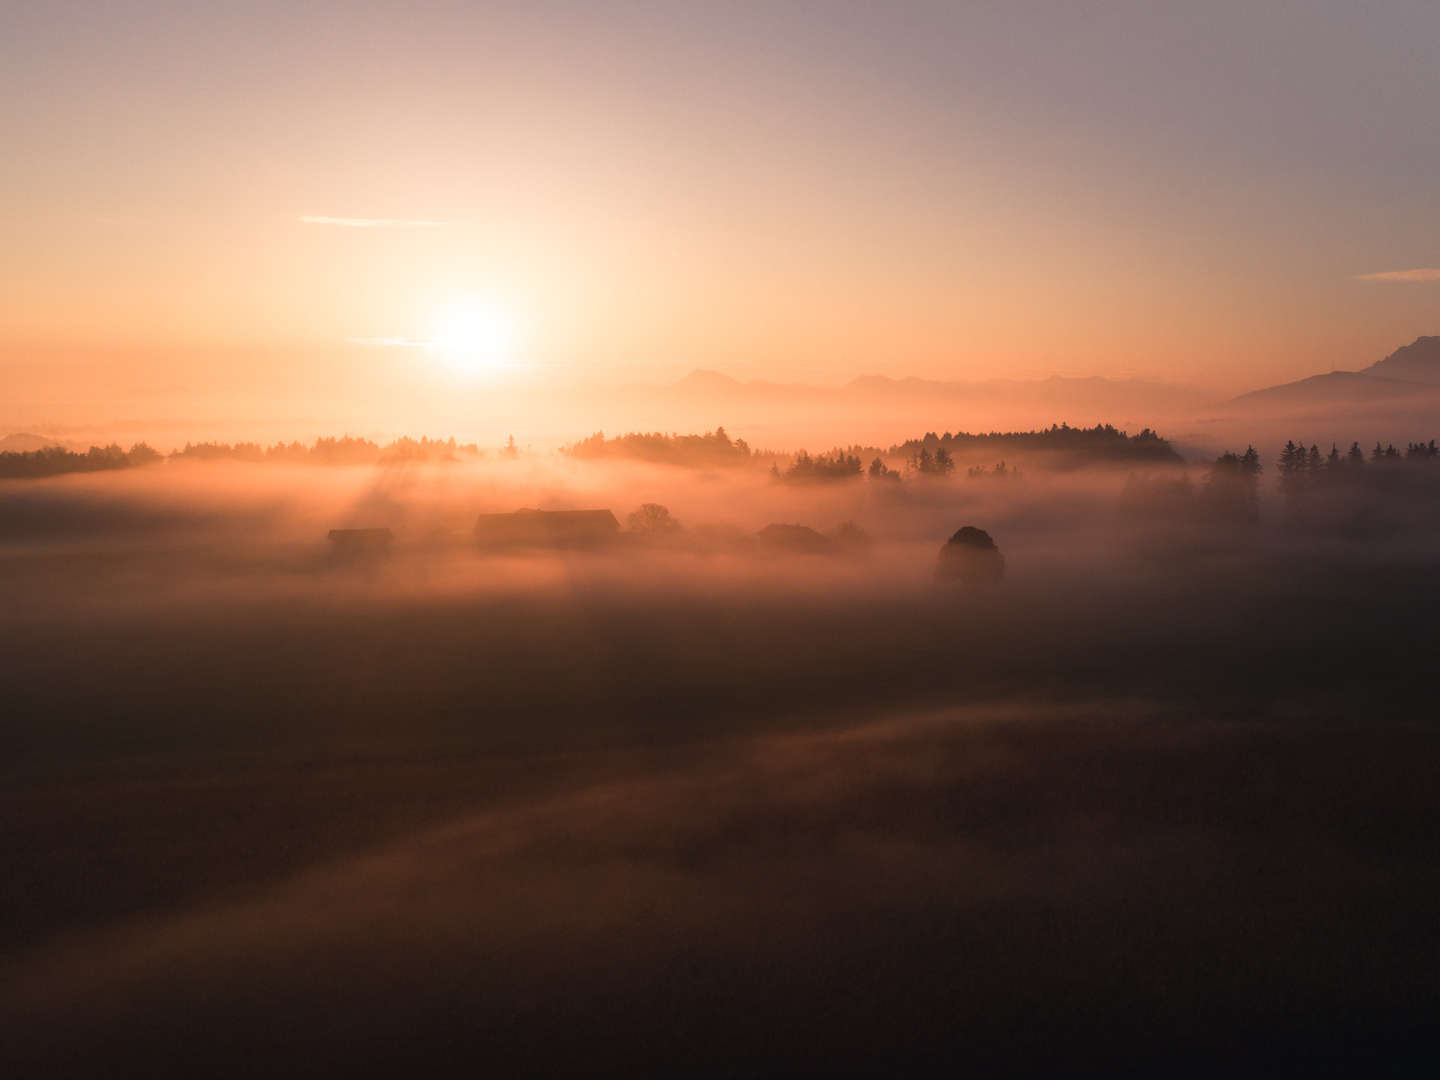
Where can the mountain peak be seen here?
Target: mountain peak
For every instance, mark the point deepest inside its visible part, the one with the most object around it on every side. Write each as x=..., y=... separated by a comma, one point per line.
x=1417, y=362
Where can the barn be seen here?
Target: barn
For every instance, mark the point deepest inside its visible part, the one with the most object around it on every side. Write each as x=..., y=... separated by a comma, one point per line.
x=547, y=529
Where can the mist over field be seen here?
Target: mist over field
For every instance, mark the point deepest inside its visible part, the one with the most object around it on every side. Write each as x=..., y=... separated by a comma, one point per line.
x=698, y=800
x=733, y=539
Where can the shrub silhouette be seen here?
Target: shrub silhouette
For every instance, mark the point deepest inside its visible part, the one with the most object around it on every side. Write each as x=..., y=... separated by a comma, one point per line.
x=796, y=538
x=880, y=471
x=971, y=557
x=651, y=519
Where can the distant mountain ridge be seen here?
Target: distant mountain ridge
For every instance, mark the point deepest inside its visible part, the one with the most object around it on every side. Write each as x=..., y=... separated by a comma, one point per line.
x=1417, y=362
x=1088, y=391
x=876, y=409
x=1409, y=375
x=1096, y=388
x=1331, y=388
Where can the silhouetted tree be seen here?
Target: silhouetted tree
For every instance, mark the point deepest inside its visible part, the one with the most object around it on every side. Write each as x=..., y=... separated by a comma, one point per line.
x=836, y=465
x=1333, y=462
x=1292, y=466
x=651, y=519
x=143, y=454
x=880, y=471
x=1232, y=485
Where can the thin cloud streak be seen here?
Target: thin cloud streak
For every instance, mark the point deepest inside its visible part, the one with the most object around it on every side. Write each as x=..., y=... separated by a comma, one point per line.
x=370, y=223
x=1421, y=274
x=390, y=342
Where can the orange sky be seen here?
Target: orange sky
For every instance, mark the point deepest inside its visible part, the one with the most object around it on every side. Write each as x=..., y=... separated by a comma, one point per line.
x=636, y=190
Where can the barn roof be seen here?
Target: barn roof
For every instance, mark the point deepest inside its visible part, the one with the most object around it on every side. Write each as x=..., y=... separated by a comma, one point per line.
x=546, y=527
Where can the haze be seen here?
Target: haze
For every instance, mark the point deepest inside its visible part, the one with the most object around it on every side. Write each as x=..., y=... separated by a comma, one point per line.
x=719, y=539
x=205, y=209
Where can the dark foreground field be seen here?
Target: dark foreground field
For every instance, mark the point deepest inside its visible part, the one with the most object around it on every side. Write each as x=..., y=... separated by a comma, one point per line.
x=674, y=813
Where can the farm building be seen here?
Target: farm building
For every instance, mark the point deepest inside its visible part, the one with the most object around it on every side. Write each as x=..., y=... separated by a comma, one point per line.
x=547, y=529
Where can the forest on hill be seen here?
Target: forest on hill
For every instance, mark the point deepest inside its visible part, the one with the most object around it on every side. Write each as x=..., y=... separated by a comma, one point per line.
x=345, y=450
x=1101, y=444
x=696, y=451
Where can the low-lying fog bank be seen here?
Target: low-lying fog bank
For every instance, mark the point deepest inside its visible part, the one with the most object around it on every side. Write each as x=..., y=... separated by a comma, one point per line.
x=691, y=800
x=1018, y=887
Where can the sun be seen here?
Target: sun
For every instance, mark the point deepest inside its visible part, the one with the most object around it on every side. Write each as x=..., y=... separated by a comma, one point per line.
x=474, y=339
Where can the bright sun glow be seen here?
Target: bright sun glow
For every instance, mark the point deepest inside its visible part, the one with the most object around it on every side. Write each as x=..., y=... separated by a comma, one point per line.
x=474, y=339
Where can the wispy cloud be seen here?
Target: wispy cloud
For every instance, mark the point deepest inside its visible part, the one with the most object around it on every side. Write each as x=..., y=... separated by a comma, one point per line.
x=1422, y=274
x=389, y=342
x=370, y=223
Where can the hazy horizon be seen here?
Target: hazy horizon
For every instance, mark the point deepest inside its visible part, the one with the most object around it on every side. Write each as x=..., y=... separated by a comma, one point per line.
x=565, y=193
x=786, y=417
x=708, y=538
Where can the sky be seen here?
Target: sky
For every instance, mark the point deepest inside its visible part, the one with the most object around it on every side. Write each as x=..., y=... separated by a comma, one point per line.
x=242, y=209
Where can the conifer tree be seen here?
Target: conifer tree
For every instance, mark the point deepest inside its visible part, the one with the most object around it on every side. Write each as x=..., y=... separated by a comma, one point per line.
x=1292, y=467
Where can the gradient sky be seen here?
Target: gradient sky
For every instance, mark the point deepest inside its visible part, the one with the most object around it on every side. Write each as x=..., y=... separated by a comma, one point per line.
x=209, y=201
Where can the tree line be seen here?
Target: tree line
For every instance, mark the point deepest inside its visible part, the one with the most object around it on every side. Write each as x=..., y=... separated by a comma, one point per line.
x=843, y=464
x=713, y=448
x=1232, y=483
x=56, y=460
x=823, y=468
x=1099, y=444
x=1301, y=468
x=345, y=450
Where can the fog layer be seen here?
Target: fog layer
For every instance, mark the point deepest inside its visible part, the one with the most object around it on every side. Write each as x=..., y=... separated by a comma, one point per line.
x=694, y=801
